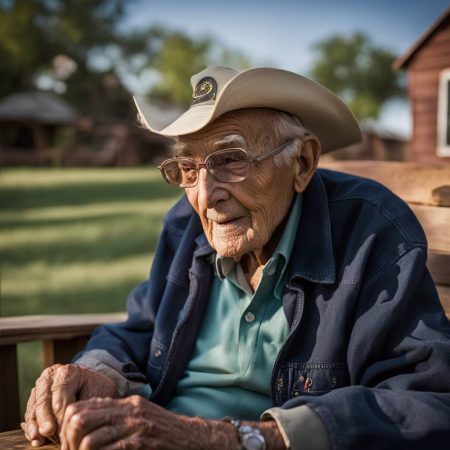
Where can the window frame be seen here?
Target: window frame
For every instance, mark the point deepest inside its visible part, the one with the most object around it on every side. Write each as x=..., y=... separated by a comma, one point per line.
x=443, y=116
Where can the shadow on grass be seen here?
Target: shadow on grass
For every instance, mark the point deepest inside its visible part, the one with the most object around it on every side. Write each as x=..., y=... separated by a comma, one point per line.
x=14, y=199
x=151, y=218
x=111, y=297
x=140, y=237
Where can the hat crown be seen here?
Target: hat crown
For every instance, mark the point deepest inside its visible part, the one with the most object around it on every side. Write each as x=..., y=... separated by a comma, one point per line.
x=208, y=83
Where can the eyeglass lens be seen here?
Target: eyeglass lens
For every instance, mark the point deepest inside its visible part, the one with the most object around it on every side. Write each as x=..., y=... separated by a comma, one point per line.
x=228, y=166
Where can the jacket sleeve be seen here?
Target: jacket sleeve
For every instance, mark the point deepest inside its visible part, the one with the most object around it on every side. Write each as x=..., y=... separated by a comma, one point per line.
x=399, y=363
x=121, y=350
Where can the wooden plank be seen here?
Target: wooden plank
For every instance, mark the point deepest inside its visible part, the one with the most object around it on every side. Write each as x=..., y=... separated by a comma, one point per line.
x=439, y=266
x=414, y=183
x=444, y=296
x=435, y=222
x=9, y=389
x=427, y=126
x=427, y=91
x=423, y=77
x=62, y=351
x=30, y=328
x=425, y=108
x=437, y=50
x=15, y=440
x=442, y=36
x=434, y=62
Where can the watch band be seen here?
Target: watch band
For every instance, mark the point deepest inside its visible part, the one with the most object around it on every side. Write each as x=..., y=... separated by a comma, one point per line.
x=251, y=438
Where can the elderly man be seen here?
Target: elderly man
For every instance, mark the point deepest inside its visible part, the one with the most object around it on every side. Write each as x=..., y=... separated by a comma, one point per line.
x=287, y=307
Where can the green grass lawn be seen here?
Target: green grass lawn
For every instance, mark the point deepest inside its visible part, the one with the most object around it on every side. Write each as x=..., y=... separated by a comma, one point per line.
x=75, y=241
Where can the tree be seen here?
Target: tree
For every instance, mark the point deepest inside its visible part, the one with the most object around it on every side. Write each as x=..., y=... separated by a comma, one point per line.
x=34, y=32
x=358, y=71
x=49, y=44
x=180, y=56
x=76, y=48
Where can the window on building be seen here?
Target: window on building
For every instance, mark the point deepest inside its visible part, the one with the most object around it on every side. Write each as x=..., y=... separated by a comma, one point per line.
x=443, y=131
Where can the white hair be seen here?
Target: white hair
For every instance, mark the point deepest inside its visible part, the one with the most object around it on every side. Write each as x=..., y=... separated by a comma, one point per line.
x=287, y=126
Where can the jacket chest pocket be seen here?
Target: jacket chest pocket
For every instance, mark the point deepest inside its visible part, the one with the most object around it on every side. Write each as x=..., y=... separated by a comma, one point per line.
x=312, y=379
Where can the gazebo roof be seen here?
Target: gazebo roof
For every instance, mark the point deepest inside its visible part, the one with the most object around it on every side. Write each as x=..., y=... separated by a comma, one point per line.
x=37, y=107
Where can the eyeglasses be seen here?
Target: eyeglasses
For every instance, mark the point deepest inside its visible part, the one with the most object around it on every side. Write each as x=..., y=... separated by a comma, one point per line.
x=227, y=166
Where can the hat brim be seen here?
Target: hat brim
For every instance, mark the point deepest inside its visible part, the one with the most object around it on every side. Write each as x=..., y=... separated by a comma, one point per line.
x=319, y=110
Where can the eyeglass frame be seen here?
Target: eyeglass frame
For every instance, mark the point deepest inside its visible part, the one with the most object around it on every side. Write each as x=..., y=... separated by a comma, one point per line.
x=204, y=164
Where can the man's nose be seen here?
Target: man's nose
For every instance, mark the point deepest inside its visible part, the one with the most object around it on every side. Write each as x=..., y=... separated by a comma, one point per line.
x=210, y=191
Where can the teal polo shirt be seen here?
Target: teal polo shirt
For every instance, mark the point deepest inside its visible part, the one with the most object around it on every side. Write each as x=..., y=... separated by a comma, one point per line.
x=230, y=371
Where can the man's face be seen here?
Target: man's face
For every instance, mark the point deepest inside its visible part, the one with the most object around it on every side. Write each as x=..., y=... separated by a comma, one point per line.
x=239, y=218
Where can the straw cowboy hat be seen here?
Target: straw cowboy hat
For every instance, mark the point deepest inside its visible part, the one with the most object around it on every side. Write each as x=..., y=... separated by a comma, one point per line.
x=217, y=90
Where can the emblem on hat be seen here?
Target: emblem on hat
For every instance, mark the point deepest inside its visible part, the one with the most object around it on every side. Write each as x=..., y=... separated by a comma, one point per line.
x=205, y=90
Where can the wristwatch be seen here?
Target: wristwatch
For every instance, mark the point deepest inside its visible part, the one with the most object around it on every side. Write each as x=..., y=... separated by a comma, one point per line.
x=251, y=438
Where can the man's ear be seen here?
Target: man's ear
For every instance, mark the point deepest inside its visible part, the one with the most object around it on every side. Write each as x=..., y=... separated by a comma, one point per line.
x=306, y=162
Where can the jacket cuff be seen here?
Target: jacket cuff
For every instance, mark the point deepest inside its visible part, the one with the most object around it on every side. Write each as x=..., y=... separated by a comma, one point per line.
x=301, y=428
x=103, y=362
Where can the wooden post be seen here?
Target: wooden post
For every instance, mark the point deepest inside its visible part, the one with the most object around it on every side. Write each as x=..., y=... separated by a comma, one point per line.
x=61, y=351
x=9, y=389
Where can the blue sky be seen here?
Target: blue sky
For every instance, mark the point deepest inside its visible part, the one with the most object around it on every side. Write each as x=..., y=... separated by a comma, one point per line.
x=282, y=33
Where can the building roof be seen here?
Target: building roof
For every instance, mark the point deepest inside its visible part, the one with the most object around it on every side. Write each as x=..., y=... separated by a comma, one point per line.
x=37, y=107
x=406, y=58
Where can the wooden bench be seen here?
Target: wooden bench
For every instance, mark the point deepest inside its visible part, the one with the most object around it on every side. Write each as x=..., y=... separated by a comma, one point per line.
x=62, y=337
x=426, y=189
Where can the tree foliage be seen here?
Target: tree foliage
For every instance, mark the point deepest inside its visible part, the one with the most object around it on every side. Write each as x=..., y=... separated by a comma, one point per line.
x=77, y=48
x=181, y=56
x=357, y=71
x=34, y=32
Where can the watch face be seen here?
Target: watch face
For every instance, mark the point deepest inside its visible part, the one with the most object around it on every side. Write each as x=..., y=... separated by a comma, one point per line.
x=253, y=441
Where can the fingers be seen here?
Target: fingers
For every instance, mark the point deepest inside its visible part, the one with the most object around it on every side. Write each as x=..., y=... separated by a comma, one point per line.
x=54, y=390
x=87, y=425
x=43, y=410
x=30, y=426
x=66, y=383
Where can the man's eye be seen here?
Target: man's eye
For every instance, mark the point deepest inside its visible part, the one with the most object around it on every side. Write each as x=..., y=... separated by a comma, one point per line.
x=229, y=159
x=186, y=167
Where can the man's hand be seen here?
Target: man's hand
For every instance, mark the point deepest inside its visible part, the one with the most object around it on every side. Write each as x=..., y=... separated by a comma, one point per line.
x=135, y=423
x=56, y=388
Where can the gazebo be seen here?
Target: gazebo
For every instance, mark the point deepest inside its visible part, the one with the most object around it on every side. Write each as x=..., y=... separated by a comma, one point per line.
x=28, y=125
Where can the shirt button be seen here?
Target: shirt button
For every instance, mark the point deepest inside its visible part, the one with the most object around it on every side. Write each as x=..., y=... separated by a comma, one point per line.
x=249, y=317
x=272, y=270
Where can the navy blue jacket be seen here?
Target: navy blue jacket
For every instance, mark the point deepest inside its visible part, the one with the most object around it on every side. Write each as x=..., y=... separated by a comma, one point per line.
x=366, y=324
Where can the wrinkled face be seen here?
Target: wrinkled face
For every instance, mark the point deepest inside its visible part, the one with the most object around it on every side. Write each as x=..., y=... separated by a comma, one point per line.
x=238, y=218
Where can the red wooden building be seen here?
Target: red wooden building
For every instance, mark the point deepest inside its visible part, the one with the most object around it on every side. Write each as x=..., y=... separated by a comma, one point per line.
x=428, y=65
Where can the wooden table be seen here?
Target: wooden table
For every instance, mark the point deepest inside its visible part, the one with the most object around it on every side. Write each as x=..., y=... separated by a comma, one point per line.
x=15, y=440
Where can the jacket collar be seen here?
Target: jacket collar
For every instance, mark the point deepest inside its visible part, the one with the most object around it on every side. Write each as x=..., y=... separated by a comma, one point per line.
x=312, y=257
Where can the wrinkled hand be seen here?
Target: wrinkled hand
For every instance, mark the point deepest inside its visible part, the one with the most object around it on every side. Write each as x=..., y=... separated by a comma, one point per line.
x=135, y=423
x=56, y=388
